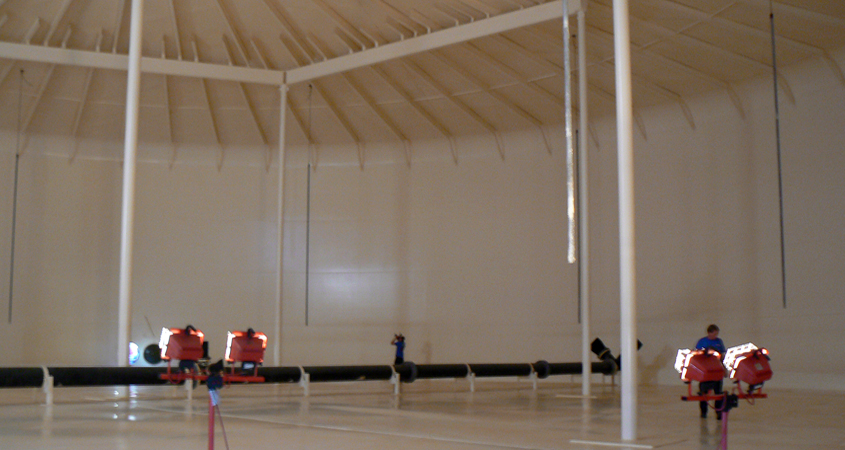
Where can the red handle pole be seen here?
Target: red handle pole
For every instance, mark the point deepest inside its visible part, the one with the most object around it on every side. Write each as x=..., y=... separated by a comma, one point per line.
x=210, y=424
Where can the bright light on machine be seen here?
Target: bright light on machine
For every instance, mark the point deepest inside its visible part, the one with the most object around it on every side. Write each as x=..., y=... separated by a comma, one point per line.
x=165, y=339
x=246, y=346
x=748, y=364
x=134, y=353
x=699, y=365
x=182, y=344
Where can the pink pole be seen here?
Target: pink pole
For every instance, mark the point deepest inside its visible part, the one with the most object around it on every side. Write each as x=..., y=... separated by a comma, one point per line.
x=210, y=424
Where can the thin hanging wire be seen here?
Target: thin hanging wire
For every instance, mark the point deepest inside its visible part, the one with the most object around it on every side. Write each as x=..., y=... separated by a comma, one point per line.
x=308, y=211
x=15, y=196
x=780, y=168
x=578, y=224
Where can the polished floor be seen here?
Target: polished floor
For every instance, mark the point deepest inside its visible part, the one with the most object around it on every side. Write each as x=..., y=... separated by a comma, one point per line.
x=431, y=415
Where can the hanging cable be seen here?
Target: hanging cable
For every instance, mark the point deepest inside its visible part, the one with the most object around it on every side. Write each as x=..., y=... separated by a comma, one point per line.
x=780, y=169
x=308, y=209
x=578, y=225
x=15, y=196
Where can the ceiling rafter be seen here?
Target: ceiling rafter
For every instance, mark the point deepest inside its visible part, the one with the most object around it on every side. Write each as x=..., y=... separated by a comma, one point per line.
x=812, y=15
x=42, y=88
x=443, y=8
x=305, y=128
x=341, y=21
x=254, y=113
x=416, y=105
x=31, y=112
x=175, y=23
x=6, y=71
x=77, y=115
x=638, y=117
x=503, y=67
x=239, y=43
x=291, y=27
x=350, y=43
x=171, y=129
x=57, y=20
x=543, y=92
x=782, y=82
x=463, y=8
x=168, y=100
x=818, y=51
x=118, y=24
x=341, y=117
x=293, y=109
x=213, y=122
x=368, y=99
x=549, y=65
x=636, y=48
x=441, y=38
x=404, y=16
x=513, y=73
x=479, y=6
x=30, y=33
x=647, y=83
x=431, y=23
x=474, y=79
x=698, y=72
x=212, y=118
x=398, y=26
x=457, y=102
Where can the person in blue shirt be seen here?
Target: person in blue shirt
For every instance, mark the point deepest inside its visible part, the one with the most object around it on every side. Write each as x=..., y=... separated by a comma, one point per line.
x=714, y=343
x=399, y=342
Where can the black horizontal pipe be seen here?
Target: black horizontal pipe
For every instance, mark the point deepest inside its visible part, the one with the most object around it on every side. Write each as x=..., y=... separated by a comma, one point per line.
x=427, y=371
x=501, y=370
x=607, y=367
x=11, y=377
x=81, y=376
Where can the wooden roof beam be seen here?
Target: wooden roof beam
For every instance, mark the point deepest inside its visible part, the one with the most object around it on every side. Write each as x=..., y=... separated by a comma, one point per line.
x=457, y=102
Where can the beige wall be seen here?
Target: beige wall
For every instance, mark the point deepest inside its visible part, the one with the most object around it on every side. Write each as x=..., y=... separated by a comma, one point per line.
x=468, y=260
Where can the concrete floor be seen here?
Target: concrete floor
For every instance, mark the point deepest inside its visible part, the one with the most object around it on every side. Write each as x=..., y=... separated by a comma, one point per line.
x=431, y=415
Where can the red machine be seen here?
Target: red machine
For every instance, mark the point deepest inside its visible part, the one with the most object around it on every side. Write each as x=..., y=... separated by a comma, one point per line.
x=699, y=365
x=184, y=344
x=246, y=347
x=746, y=364
x=750, y=365
x=181, y=344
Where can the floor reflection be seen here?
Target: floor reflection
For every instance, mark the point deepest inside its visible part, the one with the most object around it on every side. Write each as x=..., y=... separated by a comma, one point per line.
x=430, y=415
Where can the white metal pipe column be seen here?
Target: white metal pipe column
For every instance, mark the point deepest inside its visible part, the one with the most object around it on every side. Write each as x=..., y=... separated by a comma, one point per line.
x=583, y=214
x=277, y=343
x=130, y=150
x=627, y=267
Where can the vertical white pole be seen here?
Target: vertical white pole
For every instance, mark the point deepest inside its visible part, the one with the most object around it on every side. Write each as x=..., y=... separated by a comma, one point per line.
x=133, y=94
x=582, y=203
x=570, y=152
x=627, y=268
x=280, y=237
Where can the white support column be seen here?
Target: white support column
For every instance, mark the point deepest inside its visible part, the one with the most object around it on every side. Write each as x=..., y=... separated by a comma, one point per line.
x=583, y=215
x=570, y=152
x=304, y=381
x=47, y=386
x=133, y=94
x=280, y=236
x=627, y=268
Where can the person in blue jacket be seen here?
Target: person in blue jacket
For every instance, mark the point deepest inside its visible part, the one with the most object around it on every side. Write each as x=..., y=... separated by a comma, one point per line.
x=399, y=342
x=714, y=343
